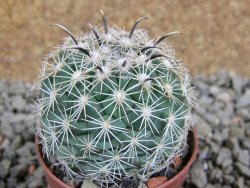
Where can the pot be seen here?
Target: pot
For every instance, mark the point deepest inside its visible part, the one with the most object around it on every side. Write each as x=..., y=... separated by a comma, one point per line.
x=156, y=182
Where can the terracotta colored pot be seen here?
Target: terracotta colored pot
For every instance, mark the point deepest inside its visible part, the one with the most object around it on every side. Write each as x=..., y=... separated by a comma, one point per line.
x=175, y=182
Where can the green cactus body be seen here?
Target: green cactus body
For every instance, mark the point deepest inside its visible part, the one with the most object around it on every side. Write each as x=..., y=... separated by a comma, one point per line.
x=113, y=104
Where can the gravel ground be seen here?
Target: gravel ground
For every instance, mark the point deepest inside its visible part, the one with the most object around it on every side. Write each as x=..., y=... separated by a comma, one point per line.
x=222, y=118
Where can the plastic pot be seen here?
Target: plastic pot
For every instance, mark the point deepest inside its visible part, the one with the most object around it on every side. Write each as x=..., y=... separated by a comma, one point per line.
x=175, y=182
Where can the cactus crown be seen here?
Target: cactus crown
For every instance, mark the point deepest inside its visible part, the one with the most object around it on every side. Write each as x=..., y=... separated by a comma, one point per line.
x=113, y=104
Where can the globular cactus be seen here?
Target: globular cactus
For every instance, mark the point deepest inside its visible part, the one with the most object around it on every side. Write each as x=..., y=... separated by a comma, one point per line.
x=113, y=104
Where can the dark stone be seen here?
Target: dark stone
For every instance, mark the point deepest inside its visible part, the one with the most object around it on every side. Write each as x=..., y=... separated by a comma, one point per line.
x=170, y=173
x=228, y=180
x=129, y=182
x=19, y=171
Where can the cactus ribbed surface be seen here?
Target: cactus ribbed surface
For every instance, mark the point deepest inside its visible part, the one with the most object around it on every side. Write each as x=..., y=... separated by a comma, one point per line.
x=113, y=104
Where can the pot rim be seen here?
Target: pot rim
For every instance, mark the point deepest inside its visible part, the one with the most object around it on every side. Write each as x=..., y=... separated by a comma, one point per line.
x=175, y=178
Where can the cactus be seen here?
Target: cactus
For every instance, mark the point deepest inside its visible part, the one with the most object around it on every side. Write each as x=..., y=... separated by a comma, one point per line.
x=113, y=104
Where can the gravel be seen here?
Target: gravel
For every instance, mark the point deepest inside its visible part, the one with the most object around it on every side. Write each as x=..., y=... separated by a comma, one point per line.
x=222, y=118
x=19, y=167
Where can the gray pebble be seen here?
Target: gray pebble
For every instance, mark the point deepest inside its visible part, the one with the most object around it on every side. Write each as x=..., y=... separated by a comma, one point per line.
x=212, y=118
x=240, y=183
x=205, y=100
x=243, y=169
x=210, y=186
x=9, y=153
x=5, y=143
x=35, y=183
x=38, y=174
x=4, y=168
x=243, y=157
x=22, y=185
x=3, y=86
x=228, y=170
x=236, y=131
x=202, y=87
x=198, y=175
x=202, y=126
x=24, y=151
x=12, y=182
x=17, y=88
x=215, y=90
x=237, y=83
x=16, y=143
x=142, y=185
x=232, y=143
x=243, y=101
x=224, y=153
x=2, y=184
x=244, y=113
x=226, y=163
x=87, y=184
x=18, y=103
x=246, y=143
x=224, y=96
x=222, y=78
x=1, y=109
x=214, y=146
x=216, y=175
x=7, y=130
